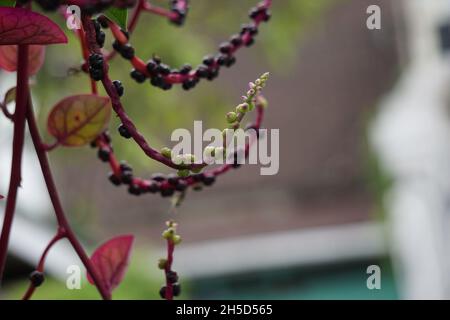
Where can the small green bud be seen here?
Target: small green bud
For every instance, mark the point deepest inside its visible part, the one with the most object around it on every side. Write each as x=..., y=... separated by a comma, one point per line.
x=166, y=152
x=168, y=233
x=231, y=117
x=265, y=76
x=209, y=151
x=179, y=159
x=162, y=264
x=183, y=173
x=258, y=82
x=234, y=125
x=197, y=170
x=176, y=239
x=242, y=108
x=219, y=152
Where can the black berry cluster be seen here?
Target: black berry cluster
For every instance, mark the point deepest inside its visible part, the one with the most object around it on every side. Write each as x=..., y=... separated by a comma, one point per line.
x=125, y=50
x=96, y=66
x=163, y=76
x=158, y=71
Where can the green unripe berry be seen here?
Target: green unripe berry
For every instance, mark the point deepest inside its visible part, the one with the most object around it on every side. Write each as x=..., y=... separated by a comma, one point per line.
x=183, y=173
x=242, y=108
x=176, y=239
x=162, y=264
x=231, y=117
x=168, y=233
x=197, y=170
x=166, y=152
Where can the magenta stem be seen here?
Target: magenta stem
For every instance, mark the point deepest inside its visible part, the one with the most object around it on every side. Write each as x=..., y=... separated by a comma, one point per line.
x=16, y=162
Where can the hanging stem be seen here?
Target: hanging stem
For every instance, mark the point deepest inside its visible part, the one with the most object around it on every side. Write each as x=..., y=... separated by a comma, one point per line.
x=59, y=212
x=16, y=162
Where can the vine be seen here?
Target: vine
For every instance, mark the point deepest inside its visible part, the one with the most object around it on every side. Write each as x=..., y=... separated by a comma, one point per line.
x=83, y=119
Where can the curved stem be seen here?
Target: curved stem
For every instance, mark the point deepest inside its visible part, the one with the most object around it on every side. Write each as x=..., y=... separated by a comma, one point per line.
x=59, y=212
x=18, y=141
x=40, y=267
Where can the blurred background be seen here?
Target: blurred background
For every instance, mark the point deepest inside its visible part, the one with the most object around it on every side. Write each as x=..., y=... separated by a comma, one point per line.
x=364, y=173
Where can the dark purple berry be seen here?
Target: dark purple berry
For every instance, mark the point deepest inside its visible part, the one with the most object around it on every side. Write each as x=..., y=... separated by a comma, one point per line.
x=119, y=87
x=172, y=276
x=185, y=69
x=176, y=289
x=167, y=192
x=115, y=180
x=124, y=132
x=134, y=189
x=158, y=177
x=162, y=292
x=103, y=154
x=127, y=51
x=36, y=278
x=138, y=76
x=209, y=179
x=181, y=185
x=208, y=60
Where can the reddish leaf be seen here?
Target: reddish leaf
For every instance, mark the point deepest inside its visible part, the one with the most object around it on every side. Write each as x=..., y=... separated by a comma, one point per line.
x=77, y=120
x=22, y=26
x=8, y=58
x=111, y=260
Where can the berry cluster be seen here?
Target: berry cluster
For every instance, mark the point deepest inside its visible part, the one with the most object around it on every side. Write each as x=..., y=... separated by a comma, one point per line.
x=172, y=287
x=163, y=76
x=189, y=175
x=99, y=34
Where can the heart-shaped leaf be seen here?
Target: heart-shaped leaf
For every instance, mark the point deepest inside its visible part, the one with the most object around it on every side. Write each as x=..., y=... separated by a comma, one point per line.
x=77, y=120
x=111, y=261
x=118, y=15
x=8, y=58
x=22, y=26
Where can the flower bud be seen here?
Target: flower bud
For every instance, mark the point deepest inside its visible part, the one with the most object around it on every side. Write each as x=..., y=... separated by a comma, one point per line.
x=231, y=117
x=242, y=108
x=183, y=173
x=162, y=264
x=166, y=152
x=176, y=239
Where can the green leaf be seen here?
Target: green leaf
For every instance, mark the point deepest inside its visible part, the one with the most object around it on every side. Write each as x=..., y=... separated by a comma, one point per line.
x=117, y=15
x=7, y=3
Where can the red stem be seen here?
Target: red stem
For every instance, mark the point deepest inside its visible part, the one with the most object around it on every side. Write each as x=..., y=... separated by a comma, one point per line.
x=18, y=141
x=169, y=285
x=40, y=267
x=59, y=212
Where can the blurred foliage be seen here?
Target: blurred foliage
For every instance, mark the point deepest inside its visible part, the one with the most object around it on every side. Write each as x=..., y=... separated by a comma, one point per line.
x=142, y=281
